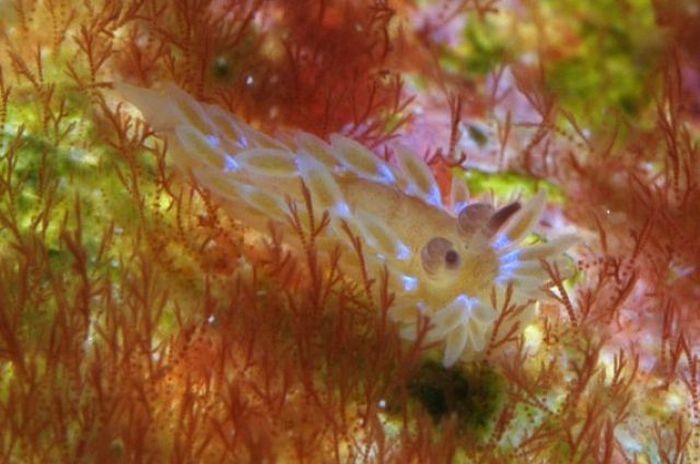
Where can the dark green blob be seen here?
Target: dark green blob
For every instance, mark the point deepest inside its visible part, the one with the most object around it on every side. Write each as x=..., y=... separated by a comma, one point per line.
x=477, y=135
x=233, y=63
x=222, y=68
x=474, y=394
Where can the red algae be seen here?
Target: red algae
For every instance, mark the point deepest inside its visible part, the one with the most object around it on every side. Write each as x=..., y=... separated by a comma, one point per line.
x=265, y=60
x=140, y=321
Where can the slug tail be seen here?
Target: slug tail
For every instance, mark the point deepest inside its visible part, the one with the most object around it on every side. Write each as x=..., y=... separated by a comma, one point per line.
x=160, y=112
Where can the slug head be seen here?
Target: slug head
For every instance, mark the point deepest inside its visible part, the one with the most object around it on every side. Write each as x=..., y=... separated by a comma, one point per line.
x=463, y=261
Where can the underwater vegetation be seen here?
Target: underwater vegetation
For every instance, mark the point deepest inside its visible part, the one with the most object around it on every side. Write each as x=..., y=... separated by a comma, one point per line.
x=245, y=231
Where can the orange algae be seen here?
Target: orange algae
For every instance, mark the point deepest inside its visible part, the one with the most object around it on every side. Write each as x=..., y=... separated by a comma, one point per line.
x=140, y=323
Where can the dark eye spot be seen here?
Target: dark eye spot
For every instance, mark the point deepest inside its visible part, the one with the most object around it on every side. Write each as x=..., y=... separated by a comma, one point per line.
x=451, y=259
x=434, y=255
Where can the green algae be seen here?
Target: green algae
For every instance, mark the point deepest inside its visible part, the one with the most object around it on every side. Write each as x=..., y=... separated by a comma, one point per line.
x=474, y=395
x=481, y=51
x=613, y=55
x=508, y=184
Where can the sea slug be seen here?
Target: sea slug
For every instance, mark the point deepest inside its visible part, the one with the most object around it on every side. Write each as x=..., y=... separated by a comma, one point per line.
x=444, y=259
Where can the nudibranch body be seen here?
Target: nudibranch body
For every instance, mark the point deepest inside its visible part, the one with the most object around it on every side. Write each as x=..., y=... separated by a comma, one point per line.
x=444, y=260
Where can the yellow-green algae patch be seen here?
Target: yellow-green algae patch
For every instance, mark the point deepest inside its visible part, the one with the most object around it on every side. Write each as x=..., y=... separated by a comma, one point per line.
x=508, y=184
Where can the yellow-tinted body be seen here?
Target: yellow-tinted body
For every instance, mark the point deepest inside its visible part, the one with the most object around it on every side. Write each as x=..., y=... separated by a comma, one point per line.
x=444, y=262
